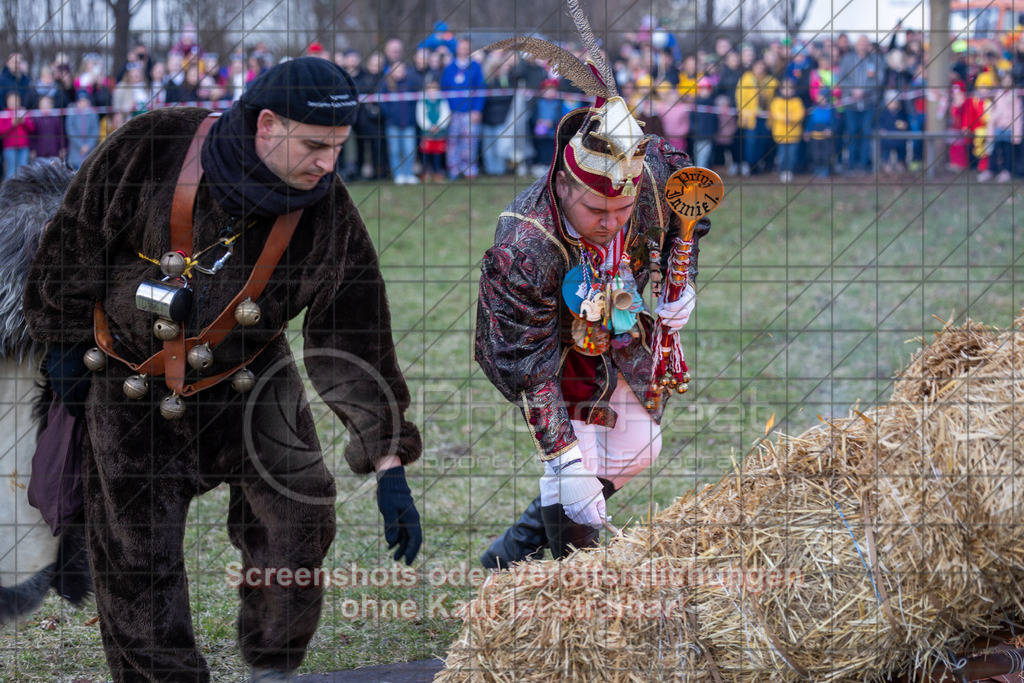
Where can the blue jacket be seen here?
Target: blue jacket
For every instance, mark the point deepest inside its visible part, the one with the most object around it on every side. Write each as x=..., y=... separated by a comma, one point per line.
x=441, y=36
x=19, y=83
x=549, y=109
x=704, y=123
x=469, y=78
x=888, y=121
x=820, y=118
x=401, y=114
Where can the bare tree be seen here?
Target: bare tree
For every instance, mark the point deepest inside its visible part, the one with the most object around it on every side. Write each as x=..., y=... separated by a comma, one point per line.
x=38, y=29
x=402, y=19
x=369, y=25
x=9, y=27
x=775, y=15
x=792, y=14
x=123, y=11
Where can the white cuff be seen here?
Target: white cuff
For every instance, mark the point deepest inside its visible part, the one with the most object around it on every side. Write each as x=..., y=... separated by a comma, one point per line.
x=571, y=484
x=555, y=464
x=675, y=314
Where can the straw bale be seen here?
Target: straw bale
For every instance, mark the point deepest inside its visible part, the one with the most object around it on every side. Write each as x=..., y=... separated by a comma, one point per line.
x=866, y=547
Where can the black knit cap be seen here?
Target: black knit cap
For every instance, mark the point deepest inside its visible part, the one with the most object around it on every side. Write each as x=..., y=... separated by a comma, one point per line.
x=307, y=90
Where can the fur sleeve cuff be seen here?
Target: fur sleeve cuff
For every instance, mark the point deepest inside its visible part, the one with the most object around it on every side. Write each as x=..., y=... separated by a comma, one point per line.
x=366, y=448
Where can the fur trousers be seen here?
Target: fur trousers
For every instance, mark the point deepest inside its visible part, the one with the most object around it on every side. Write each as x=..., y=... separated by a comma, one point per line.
x=140, y=474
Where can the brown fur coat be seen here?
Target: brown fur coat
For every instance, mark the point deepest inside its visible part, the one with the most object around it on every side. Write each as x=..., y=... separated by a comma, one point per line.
x=119, y=206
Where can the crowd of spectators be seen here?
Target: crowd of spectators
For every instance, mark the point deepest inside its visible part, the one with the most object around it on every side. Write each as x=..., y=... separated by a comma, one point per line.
x=440, y=110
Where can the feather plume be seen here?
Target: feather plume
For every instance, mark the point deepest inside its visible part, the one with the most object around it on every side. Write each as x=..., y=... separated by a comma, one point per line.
x=566, y=63
x=590, y=42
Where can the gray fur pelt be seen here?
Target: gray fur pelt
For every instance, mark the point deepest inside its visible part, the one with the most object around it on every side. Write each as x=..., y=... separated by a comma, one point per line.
x=27, y=202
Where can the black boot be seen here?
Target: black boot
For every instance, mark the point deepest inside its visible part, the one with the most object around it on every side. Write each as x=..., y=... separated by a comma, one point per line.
x=524, y=540
x=563, y=532
x=609, y=488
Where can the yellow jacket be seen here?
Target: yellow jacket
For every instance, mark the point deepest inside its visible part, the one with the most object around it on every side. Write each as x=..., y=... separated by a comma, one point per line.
x=753, y=96
x=787, y=119
x=688, y=85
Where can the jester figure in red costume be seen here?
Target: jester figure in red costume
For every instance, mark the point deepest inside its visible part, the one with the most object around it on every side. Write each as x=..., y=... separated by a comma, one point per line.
x=562, y=328
x=967, y=117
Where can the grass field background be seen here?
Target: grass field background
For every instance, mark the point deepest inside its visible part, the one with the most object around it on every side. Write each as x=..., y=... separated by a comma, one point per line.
x=810, y=299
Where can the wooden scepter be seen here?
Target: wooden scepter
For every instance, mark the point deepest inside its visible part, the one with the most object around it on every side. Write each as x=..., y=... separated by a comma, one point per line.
x=692, y=193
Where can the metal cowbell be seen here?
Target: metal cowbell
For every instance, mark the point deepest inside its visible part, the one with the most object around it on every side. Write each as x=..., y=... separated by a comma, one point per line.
x=247, y=313
x=243, y=381
x=166, y=330
x=200, y=357
x=172, y=407
x=136, y=386
x=173, y=264
x=95, y=359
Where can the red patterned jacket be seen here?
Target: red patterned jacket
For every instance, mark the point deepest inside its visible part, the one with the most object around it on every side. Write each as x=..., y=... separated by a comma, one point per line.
x=523, y=330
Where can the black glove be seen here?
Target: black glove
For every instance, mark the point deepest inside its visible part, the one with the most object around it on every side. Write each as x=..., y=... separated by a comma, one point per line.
x=69, y=376
x=401, y=519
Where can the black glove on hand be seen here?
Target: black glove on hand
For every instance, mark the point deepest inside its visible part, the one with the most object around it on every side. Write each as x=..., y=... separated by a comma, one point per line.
x=401, y=519
x=69, y=376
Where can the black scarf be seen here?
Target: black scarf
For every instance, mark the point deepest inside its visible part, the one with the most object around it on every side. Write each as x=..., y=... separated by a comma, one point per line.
x=242, y=184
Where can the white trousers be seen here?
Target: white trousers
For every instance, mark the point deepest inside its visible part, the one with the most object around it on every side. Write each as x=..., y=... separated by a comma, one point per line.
x=617, y=454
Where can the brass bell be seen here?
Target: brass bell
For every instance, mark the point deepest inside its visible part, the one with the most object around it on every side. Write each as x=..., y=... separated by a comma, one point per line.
x=243, y=381
x=651, y=404
x=136, y=386
x=172, y=264
x=172, y=407
x=200, y=357
x=95, y=359
x=665, y=380
x=686, y=377
x=166, y=330
x=681, y=388
x=247, y=313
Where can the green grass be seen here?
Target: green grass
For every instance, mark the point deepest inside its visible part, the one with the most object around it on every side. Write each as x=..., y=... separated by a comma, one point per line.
x=808, y=299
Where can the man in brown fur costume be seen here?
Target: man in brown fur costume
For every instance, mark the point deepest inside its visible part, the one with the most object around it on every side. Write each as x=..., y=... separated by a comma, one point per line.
x=145, y=457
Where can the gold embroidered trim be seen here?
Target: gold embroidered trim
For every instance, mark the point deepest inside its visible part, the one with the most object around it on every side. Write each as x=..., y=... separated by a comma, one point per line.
x=629, y=183
x=536, y=442
x=537, y=224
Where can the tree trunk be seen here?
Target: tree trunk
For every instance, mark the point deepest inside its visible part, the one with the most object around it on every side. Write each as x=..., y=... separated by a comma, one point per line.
x=407, y=21
x=122, y=16
x=8, y=29
x=937, y=84
x=793, y=17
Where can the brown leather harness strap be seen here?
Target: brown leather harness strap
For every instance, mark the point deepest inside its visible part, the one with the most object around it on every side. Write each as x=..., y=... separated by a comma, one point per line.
x=171, y=361
x=177, y=349
x=206, y=382
x=185, y=191
x=154, y=365
x=174, y=362
x=273, y=250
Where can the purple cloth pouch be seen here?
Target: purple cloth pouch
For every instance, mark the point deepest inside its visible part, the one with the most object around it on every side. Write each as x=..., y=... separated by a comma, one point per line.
x=55, y=485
